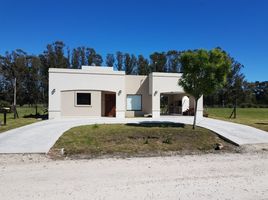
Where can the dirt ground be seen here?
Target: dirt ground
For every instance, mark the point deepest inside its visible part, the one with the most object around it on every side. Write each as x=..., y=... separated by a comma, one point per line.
x=207, y=176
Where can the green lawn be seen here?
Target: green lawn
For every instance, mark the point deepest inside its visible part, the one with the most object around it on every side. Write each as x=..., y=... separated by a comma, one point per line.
x=129, y=140
x=25, y=117
x=256, y=117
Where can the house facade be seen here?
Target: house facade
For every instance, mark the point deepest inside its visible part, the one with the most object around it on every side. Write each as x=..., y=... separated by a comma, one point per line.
x=100, y=91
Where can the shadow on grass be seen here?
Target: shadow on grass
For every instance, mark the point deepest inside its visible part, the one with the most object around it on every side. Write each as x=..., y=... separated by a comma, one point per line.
x=261, y=123
x=162, y=124
x=43, y=117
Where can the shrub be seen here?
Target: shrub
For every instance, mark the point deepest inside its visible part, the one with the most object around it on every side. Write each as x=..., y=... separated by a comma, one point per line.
x=4, y=104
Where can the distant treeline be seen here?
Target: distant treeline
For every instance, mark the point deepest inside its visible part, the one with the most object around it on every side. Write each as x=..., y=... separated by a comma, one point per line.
x=31, y=73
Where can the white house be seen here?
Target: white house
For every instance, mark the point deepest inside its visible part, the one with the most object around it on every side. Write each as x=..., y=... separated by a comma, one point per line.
x=100, y=91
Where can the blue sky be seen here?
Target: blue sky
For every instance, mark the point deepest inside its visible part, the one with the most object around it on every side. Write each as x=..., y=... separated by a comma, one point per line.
x=141, y=27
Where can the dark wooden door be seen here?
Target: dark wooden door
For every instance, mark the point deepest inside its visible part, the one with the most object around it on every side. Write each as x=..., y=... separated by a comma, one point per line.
x=110, y=105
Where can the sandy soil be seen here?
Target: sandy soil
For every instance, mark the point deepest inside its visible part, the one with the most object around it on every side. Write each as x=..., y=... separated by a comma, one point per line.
x=210, y=176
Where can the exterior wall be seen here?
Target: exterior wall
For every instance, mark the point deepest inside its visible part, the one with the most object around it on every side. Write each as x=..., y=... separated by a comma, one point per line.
x=166, y=83
x=139, y=85
x=63, y=83
x=163, y=83
x=70, y=79
x=68, y=107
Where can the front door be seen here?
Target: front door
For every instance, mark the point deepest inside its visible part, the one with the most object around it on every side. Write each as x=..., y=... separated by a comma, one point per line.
x=110, y=105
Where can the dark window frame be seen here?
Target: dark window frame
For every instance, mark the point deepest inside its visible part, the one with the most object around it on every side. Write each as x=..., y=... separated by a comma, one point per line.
x=77, y=103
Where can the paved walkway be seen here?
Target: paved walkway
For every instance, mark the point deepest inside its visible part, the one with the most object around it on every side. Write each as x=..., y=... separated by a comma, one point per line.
x=41, y=136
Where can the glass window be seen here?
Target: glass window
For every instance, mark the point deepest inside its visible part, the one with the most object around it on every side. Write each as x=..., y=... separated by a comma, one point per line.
x=83, y=99
x=134, y=102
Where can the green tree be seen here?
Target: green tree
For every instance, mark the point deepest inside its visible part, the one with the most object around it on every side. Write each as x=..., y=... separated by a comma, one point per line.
x=173, y=61
x=110, y=60
x=119, y=60
x=203, y=72
x=75, y=59
x=93, y=58
x=142, y=66
x=234, y=85
x=52, y=57
x=130, y=62
x=158, y=62
x=32, y=87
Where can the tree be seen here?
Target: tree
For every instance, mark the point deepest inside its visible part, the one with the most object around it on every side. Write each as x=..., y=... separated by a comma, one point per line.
x=158, y=62
x=234, y=84
x=97, y=60
x=93, y=58
x=119, y=60
x=75, y=59
x=52, y=57
x=110, y=60
x=130, y=62
x=32, y=86
x=90, y=54
x=173, y=61
x=13, y=66
x=203, y=72
x=142, y=66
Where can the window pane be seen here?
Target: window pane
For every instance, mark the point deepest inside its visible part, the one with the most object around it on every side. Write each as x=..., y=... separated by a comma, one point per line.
x=83, y=99
x=134, y=102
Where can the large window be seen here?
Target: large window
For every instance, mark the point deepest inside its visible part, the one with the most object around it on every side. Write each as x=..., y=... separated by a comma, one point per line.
x=83, y=99
x=134, y=102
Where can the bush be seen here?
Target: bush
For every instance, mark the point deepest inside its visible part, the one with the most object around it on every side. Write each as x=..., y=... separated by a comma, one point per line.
x=4, y=104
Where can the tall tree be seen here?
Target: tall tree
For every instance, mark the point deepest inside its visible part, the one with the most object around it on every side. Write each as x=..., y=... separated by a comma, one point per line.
x=52, y=57
x=32, y=87
x=13, y=66
x=158, y=62
x=75, y=59
x=119, y=60
x=110, y=60
x=173, y=61
x=234, y=84
x=93, y=58
x=90, y=53
x=203, y=72
x=130, y=62
x=97, y=60
x=143, y=66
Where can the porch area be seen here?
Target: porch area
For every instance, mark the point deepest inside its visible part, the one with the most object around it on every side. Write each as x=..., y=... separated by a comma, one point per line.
x=176, y=104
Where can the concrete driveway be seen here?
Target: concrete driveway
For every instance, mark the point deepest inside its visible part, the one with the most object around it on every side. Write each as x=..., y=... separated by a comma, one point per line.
x=41, y=136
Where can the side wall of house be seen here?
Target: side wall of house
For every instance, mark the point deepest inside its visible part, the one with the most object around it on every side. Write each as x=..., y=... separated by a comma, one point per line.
x=139, y=85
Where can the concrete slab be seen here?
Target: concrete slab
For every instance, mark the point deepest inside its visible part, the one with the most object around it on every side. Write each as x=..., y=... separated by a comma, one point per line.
x=41, y=136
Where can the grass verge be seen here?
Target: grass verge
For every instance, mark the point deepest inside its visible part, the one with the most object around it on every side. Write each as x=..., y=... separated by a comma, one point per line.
x=256, y=117
x=26, y=116
x=137, y=140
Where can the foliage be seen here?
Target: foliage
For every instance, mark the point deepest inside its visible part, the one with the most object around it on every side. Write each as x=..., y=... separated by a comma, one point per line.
x=204, y=72
x=31, y=72
x=158, y=62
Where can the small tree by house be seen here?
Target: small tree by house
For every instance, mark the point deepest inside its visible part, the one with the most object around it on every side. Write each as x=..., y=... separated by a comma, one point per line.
x=203, y=72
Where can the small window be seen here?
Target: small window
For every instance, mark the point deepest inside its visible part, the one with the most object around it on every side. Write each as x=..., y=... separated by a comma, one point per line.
x=83, y=99
x=134, y=102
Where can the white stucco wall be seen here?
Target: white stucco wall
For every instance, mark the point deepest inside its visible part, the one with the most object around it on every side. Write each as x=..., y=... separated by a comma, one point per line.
x=166, y=83
x=105, y=79
x=99, y=80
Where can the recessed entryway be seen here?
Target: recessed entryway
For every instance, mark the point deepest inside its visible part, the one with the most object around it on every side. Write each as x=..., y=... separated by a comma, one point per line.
x=109, y=104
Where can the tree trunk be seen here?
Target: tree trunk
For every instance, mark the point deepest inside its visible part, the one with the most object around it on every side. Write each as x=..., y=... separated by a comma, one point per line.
x=235, y=105
x=15, y=99
x=195, y=111
x=36, y=110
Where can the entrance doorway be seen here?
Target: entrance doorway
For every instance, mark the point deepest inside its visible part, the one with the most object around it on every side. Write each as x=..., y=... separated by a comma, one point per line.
x=110, y=103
